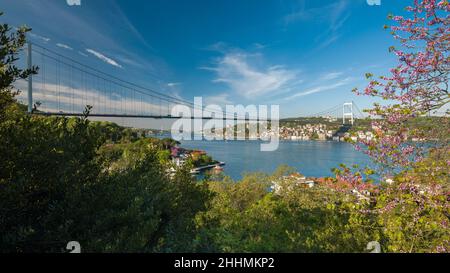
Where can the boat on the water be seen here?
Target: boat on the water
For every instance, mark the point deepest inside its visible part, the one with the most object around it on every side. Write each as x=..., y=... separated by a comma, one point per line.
x=215, y=167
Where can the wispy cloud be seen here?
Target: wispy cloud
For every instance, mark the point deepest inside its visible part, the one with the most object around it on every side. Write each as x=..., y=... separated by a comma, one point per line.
x=259, y=46
x=236, y=70
x=42, y=38
x=103, y=58
x=328, y=40
x=126, y=21
x=331, y=76
x=320, y=88
x=221, y=99
x=333, y=15
x=219, y=47
x=173, y=84
x=64, y=46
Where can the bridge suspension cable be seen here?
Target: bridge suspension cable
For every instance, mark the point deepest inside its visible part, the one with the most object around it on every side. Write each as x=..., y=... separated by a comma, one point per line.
x=337, y=111
x=361, y=114
x=154, y=92
x=65, y=86
x=328, y=112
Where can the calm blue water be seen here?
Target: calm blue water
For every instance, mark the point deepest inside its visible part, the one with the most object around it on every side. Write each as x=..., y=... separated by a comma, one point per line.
x=311, y=158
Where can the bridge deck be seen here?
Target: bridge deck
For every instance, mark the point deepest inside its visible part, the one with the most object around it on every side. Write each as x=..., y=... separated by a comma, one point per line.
x=62, y=114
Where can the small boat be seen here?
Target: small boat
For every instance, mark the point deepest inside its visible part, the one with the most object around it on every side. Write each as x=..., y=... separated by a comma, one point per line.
x=195, y=171
x=218, y=168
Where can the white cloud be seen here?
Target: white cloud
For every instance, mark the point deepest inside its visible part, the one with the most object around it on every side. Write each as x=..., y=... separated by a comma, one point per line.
x=334, y=15
x=329, y=40
x=64, y=46
x=45, y=39
x=221, y=99
x=320, y=88
x=103, y=58
x=330, y=13
x=173, y=84
x=219, y=47
x=236, y=71
x=331, y=76
x=259, y=46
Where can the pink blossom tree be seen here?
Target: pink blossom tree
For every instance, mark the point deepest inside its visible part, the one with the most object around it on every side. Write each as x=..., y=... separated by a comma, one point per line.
x=418, y=85
x=414, y=211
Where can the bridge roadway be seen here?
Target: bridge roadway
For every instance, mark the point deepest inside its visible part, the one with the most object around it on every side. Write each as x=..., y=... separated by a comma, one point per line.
x=63, y=114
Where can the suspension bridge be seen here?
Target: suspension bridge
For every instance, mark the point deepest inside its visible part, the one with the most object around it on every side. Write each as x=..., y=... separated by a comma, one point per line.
x=65, y=86
x=347, y=111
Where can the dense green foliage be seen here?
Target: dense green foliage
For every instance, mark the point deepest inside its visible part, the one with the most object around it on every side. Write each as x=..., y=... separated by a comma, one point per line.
x=71, y=179
x=245, y=217
x=58, y=183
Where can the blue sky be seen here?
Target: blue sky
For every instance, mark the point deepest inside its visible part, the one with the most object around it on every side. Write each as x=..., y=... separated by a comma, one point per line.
x=305, y=55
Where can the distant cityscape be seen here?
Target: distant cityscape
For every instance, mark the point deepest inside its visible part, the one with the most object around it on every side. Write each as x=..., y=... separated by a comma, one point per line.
x=324, y=128
x=301, y=129
x=320, y=132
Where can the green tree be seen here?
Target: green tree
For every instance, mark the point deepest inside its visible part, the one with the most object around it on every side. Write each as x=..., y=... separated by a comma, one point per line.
x=69, y=179
x=11, y=45
x=245, y=216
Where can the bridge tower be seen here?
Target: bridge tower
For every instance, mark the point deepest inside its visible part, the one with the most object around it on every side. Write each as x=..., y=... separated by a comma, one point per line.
x=30, y=78
x=347, y=112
